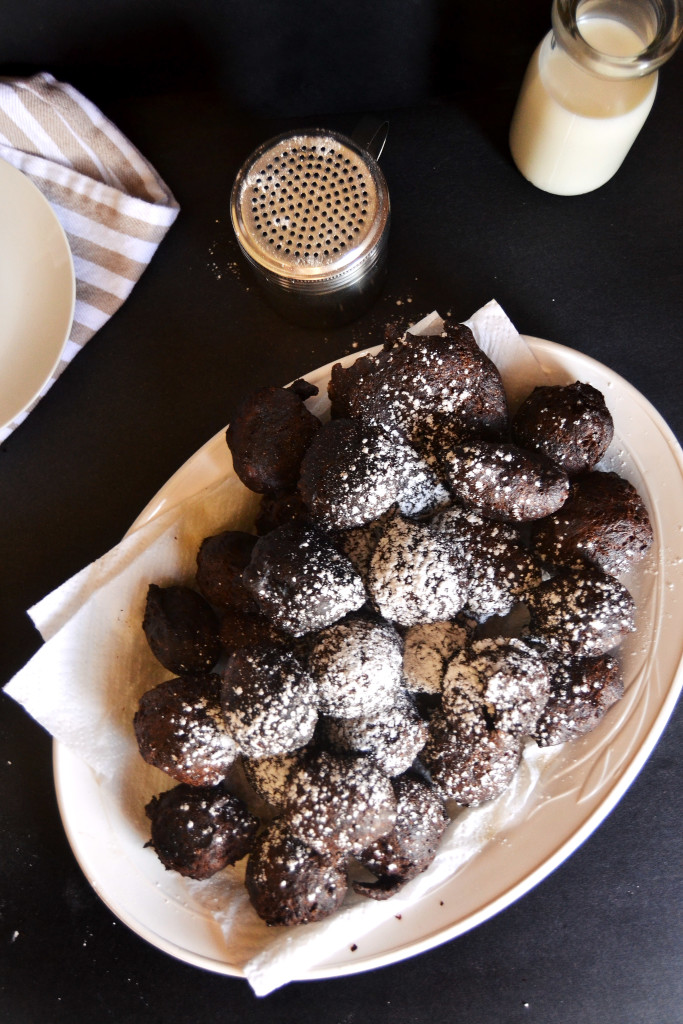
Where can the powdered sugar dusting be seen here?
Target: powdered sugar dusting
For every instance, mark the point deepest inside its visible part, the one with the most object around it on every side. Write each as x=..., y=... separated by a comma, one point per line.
x=357, y=667
x=269, y=702
x=415, y=576
x=301, y=580
x=393, y=737
x=582, y=612
x=338, y=803
x=428, y=647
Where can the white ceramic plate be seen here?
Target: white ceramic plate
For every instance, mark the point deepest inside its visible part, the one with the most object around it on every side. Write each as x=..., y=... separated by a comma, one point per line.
x=577, y=789
x=37, y=292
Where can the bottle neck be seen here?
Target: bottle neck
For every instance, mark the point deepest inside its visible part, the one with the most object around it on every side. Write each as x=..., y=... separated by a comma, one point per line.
x=618, y=39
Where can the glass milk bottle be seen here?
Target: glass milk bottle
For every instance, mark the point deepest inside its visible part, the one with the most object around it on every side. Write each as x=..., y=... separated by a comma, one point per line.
x=589, y=88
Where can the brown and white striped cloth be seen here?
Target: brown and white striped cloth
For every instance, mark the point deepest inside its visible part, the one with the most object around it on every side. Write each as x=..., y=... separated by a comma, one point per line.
x=113, y=206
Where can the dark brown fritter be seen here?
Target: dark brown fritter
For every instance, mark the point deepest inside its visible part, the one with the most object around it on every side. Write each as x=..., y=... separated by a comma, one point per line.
x=269, y=701
x=268, y=437
x=502, y=481
x=356, y=666
x=410, y=847
x=569, y=423
x=353, y=473
x=468, y=761
x=604, y=522
x=300, y=580
x=417, y=574
x=268, y=776
x=179, y=729
x=393, y=737
x=181, y=629
x=277, y=509
x=199, y=830
x=582, y=690
x=289, y=883
x=503, y=678
x=501, y=570
x=350, y=474
x=584, y=613
x=434, y=391
x=221, y=560
x=246, y=629
x=338, y=803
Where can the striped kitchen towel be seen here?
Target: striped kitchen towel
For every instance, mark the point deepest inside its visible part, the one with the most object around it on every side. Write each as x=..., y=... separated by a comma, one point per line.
x=113, y=206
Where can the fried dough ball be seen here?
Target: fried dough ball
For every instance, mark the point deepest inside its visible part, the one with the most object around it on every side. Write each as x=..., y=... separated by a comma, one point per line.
x=504, y=678
x=268, y=700
x=604, y=522
x=502, y=481
x=417, y=575
x=221, y=560
x=289, y=883
x=501, y=570
x=584, y=612
x=277, y=509
x=349, y=475
x=269, y=435
x=352, y=473
x=582, y=690
x=410, y=847
x=179, y=729
x=569, y=423
x=246, y=629
x=427, y=651
x=301, y=581
x=199, y=830
x=393, y=737
x=356, y=666
x=469, y=762
x=268, y=776
x=339, y=803
x=432, y=391
x=181, y=629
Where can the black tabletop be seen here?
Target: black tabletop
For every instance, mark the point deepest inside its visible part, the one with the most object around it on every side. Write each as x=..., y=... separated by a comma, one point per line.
x=196, y=86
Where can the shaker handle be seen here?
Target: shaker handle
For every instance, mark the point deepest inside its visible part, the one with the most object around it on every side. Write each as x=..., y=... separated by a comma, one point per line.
x=371, y=134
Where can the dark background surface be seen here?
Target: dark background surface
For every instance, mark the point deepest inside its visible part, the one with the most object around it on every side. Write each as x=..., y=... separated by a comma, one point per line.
x=196, y=86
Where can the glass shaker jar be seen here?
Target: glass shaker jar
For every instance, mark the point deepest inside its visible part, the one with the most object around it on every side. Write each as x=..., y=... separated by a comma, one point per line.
x=589, y=88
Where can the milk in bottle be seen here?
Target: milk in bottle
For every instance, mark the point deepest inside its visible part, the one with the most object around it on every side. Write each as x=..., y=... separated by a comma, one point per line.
x=572, y=128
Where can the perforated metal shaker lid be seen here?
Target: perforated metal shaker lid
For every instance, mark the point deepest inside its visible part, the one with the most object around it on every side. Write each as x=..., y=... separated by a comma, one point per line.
x=311, y=209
